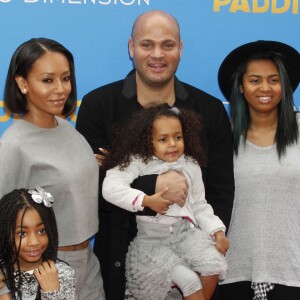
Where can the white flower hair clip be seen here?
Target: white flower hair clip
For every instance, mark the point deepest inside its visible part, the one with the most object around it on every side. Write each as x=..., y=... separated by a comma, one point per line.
x=175, y=110
x=39, y=195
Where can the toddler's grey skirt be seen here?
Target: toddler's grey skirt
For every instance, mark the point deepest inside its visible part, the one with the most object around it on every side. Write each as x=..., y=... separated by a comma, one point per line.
x=159, y=247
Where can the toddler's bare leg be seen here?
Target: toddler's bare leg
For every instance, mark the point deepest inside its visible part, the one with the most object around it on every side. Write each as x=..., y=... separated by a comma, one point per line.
x=209, y=284
x=195, y=296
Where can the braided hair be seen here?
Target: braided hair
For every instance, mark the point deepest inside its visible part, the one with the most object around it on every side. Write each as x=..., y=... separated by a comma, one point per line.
x=19, y=200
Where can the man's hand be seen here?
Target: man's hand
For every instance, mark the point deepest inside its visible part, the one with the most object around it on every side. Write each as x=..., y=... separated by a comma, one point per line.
x=176, y=184
x=101, y=157
x=47, y=276
x=157, y=203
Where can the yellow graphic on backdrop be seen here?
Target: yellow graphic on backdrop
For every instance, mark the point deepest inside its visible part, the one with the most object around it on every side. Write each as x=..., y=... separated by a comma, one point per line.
x=258, y=6
x=6, y=116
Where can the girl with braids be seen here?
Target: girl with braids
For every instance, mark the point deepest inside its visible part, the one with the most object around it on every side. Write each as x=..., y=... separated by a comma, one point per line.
x=29, y=266
x=182, y=246
x=41, y=148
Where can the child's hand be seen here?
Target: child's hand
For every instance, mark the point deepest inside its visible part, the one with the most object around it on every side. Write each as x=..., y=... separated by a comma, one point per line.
x=47, y=276
x=222, y=243
x=157, y=203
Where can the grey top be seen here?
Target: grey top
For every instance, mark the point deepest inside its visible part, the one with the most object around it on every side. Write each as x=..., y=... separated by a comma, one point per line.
x=29, y=287
x=60, y=161
x=264, y=232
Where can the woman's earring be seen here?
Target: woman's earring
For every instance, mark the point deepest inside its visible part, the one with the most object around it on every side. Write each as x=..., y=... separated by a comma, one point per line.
x=24, y=91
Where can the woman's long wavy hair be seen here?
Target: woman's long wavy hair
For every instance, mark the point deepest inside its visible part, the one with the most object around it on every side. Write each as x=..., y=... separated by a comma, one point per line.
x=11, y=205
x=287, y=131
x=134, y=138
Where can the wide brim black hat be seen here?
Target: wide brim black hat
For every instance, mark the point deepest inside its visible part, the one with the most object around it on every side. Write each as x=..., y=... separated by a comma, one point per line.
x=232, y=61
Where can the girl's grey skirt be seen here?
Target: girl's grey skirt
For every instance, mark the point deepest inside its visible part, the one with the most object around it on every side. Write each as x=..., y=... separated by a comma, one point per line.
x=159, y=247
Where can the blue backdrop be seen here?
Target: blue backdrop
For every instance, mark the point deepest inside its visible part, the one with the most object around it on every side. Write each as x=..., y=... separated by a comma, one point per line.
x=97, y=32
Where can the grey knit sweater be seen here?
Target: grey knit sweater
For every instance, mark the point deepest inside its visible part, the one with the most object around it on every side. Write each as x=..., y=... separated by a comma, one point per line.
x=60, y=161
x=264, y=232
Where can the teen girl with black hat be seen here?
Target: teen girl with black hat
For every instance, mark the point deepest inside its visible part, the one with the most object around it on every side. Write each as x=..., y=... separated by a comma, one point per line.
x=259, y=79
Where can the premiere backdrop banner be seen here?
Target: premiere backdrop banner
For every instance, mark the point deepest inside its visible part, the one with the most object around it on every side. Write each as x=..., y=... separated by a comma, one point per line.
x=97, y=32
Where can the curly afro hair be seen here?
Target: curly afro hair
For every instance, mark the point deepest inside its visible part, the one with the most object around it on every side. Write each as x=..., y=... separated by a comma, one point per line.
x=134, y=138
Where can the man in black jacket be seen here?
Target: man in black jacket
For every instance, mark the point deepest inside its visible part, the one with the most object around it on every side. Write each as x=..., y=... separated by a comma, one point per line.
x=155, y=47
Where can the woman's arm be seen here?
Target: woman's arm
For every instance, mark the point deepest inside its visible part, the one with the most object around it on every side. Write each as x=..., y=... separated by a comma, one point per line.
x=4, y=291
x=10, y=162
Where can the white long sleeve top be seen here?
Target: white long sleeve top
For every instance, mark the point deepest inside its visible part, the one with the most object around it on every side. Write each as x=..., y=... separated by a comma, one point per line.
x=116, y=189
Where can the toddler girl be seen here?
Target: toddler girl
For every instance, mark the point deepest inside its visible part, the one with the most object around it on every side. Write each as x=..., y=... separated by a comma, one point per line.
x=179, y=245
